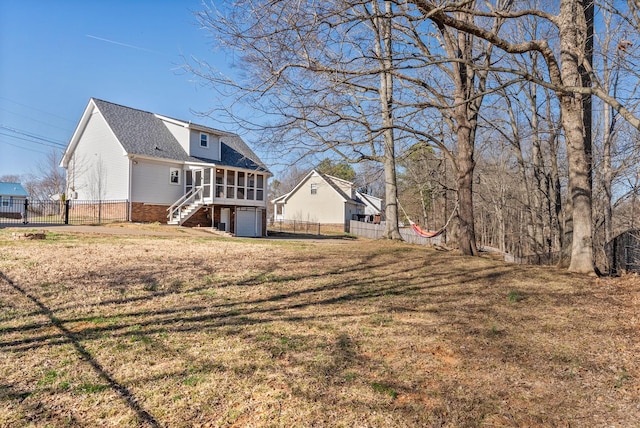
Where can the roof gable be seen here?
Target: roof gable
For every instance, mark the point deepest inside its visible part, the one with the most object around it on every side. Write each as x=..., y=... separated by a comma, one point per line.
x=12, y=189
x=335, y=182
x=332, y=182
x=236, y=153
x=371, y=201
x=140, y=132
x=145, y=134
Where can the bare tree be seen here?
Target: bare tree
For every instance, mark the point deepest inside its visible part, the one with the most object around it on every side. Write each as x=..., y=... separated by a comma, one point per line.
x=571, y=76
x=323, y=75
x=98, y=180
x=564, y=72
x=425, y=184
x=11, y=178
x=48, y=180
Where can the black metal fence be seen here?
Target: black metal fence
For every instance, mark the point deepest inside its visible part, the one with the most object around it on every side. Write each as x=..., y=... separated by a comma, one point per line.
x=624, y=252
x=65, y=212
x=294, y=226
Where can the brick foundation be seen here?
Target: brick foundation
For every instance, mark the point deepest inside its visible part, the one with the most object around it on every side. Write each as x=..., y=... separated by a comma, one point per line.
x=149, y=213
x=107, y=210
x=201, y=218
x=11, y=215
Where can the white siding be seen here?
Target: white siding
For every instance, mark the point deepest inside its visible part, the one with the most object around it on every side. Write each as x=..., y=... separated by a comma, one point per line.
x=180, y=133
x=212, y=152
x=151, y=182
x=373, y=205
x=99, y=168
x=351, y=209
x=346, y=187
x=326, y=206
x=14, y=204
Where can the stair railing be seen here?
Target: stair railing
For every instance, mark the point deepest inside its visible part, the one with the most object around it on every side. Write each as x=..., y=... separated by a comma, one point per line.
x=186, y=199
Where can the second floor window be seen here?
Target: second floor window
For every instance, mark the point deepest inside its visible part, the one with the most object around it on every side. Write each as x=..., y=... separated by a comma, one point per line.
x=204, y=140
x=314, y=188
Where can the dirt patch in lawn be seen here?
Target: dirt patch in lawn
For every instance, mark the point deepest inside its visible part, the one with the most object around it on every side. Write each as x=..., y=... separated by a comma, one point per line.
x=126, y=330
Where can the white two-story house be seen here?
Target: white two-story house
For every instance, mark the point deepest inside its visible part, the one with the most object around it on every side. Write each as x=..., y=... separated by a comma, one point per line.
x=322, y=198
x=166, y=170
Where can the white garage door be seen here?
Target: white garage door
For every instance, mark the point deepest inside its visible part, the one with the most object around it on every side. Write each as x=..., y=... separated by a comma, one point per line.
x=248, y=222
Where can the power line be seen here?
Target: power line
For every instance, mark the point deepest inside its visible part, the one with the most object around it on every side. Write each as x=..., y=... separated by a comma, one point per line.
x=34, y=120
x=36, y=109
x=54, y=145
x=38, y=137
x=23, y=147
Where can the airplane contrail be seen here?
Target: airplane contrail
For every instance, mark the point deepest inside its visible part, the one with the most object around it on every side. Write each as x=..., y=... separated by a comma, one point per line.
x=121, y=44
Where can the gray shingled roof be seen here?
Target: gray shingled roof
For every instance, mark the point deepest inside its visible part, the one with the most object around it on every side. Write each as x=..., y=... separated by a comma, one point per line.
x=142, y=133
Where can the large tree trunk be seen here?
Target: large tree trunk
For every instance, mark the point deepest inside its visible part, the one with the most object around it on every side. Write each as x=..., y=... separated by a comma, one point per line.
x=384, y=52
x=391, y=194
x=466, y=122
x=579, y=187
x=466, y=164
x=573, y=34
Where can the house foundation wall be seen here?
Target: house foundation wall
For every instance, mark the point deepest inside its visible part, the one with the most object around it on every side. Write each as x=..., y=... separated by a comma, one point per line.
x=103, y=211
x=201, y=218
x=149, y=213
x=10, y=215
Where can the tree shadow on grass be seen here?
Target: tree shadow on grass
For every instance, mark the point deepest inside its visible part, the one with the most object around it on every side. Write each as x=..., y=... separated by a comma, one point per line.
x=294, y=297
x=129, y=398
x=334, y=289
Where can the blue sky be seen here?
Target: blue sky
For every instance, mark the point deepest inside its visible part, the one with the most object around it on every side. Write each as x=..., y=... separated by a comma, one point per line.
x=56, y=55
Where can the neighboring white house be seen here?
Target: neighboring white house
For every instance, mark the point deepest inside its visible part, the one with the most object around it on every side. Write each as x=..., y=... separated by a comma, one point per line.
x=167, y=170
x=372, y=206
x=12, y=198
x=325, y=199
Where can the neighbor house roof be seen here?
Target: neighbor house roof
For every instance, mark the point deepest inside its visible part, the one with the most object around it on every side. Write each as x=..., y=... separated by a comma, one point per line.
x=373, y=202
x=144, y=133
x=329, y=179
x=333, y=182
x=12, y=189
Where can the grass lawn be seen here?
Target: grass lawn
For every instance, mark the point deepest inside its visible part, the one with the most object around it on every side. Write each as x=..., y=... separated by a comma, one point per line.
x=183, y=331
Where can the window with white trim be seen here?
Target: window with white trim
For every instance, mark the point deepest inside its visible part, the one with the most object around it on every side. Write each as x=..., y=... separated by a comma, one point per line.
x=314, y=188
x=241, y=186
x=219, y=183
x=260, y=187
x=231, y=184
x=204, y=141
x=251, y=186
x=174, y=176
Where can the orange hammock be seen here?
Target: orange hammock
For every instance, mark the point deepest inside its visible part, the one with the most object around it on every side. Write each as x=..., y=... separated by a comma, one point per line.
x=429, y=233
x=426, y=233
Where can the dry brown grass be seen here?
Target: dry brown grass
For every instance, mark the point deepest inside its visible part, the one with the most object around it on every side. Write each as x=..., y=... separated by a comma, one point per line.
x=187, y=331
